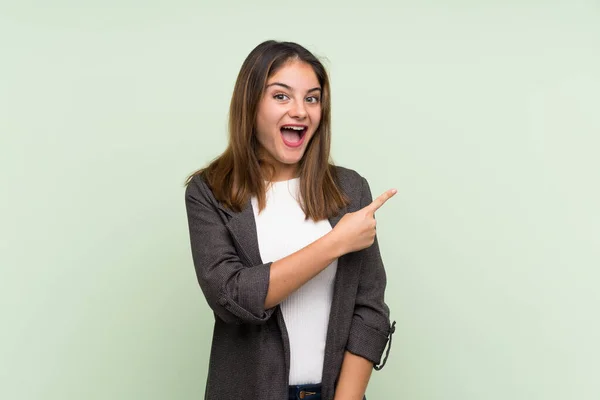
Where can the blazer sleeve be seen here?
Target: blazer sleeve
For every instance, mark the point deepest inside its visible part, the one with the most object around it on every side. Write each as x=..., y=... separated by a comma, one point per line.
x=234, y=291
x=370, y=325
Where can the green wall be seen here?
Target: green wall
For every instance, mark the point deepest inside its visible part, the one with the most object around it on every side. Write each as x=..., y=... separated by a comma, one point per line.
x=484, y=115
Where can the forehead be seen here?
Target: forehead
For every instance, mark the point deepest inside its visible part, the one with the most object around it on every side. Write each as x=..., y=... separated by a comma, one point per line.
x=296, y=74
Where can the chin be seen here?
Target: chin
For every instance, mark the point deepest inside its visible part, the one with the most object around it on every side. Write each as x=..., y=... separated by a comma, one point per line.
x=291, y=162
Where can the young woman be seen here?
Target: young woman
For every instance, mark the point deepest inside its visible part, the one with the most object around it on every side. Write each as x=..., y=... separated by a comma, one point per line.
x=284, y=243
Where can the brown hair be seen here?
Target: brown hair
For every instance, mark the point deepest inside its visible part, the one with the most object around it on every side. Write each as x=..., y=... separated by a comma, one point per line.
x=239, y=172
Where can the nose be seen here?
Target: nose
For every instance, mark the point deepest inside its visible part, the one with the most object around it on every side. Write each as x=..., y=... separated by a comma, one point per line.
x=297, y=110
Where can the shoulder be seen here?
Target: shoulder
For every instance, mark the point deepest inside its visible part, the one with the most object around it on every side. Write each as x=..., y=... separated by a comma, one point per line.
x=197, y=190
x=348, y=176
x=351, y=182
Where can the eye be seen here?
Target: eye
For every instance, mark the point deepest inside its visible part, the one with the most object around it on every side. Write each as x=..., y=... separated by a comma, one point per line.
x=280, y=96
x=313, y=99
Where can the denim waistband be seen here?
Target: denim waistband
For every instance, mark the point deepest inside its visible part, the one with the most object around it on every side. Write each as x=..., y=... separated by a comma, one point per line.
x=309, y=392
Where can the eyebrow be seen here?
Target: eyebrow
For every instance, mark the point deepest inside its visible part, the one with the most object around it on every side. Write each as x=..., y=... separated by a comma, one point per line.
x=290, y=88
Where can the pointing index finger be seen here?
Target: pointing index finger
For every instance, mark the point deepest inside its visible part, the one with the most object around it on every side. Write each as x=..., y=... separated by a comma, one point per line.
x=380, y=201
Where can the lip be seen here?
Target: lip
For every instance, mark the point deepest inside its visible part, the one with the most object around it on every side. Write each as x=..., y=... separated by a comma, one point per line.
x=300, y=125
x=302, y=137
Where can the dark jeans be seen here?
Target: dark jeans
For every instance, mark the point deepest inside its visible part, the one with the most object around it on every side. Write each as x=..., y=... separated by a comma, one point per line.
x=305, y=392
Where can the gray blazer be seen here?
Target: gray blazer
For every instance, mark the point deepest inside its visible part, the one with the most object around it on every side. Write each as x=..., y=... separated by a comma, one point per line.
x=250, y=355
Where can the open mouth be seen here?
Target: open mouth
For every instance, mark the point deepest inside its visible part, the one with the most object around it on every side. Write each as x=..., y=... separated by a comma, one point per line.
x=293, y=135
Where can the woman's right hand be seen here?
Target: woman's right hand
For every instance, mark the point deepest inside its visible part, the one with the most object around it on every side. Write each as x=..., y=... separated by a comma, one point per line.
x=356, y=230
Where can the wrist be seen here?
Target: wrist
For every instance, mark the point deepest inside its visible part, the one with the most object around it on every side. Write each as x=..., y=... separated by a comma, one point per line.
x=335, y=244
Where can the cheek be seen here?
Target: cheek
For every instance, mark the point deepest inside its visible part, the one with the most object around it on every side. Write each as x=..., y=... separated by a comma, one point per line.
x=263, y=122
x=316, y=117
x=268, y=119
x=264, y=130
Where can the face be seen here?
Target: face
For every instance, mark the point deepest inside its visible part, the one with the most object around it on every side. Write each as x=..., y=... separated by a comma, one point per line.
x=288, y=116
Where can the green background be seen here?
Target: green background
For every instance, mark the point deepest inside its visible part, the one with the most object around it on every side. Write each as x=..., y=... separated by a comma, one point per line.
x=484, y=115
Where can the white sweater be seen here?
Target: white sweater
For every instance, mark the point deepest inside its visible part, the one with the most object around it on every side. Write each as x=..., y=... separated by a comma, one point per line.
x=281, y=231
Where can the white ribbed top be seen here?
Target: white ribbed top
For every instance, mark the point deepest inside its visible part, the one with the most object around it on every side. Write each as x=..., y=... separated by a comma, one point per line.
x=281, y=231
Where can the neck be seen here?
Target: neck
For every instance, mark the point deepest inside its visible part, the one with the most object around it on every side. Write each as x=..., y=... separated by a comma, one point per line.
x=282, y=174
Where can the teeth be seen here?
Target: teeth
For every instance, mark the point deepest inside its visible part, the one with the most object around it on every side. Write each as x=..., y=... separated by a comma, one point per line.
x=296, y=128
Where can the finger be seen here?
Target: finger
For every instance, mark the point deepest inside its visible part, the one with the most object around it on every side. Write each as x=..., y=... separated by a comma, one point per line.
x=380, y=201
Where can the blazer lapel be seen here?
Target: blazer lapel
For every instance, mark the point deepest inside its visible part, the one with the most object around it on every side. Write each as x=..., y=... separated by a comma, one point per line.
x=242, y=227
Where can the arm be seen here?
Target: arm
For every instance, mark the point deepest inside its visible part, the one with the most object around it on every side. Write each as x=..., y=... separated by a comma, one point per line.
x=354, y=377
x=354, y=232
x=370, y=324
x=293, y=271
x=232, y=290
x=238, y=293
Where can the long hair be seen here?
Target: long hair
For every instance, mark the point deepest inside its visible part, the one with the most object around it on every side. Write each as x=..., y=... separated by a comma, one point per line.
x=240, y=171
